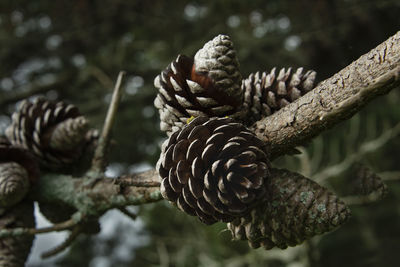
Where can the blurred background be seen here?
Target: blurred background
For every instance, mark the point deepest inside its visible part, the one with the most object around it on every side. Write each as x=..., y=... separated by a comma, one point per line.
x=73, y=50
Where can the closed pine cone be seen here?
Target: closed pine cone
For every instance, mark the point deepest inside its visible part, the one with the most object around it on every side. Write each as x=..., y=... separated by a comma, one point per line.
x=294, y=209
x=266, y=93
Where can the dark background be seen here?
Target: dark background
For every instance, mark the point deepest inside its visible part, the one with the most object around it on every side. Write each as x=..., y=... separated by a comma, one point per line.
x=73, y=50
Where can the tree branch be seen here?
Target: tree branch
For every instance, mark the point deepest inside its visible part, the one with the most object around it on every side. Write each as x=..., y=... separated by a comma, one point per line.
x=93, y=199
x=99, y=159
x=333, y=100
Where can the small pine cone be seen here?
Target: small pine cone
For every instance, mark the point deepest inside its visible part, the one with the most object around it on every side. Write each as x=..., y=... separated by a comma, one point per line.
x=14, y=251
x=214, y=169
x=367, y=182
x=18, y=170
x=266, y=93
x=14, y=183
x=54, y=132
x=208, y=85
x=295, y=209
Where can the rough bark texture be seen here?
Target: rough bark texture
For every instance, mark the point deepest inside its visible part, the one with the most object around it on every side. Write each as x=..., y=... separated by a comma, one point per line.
x=92, y=197
x=333, y=100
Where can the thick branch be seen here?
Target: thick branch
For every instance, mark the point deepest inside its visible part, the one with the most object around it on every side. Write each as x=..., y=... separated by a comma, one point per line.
x=333, y=100
x=94, y=198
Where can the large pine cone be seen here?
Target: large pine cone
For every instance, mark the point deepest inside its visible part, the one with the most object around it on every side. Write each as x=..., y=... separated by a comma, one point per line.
x=18, y=170
x=266, y=93
x=295, y=209
x=14, y=251
x=214, y=169
x=208, y=85
x=54, y=131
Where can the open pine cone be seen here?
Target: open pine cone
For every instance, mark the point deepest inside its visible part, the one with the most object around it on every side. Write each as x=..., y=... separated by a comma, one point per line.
x=266, y=93
x=208, y=85
x=53, y=131
x=294, y=209
x=214, y=168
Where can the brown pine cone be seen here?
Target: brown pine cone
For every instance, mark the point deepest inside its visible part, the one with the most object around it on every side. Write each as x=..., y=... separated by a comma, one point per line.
x=367, y=181
x=14, y=251
x=18, y=170
x=214, y=169
x=53, y=131
x=208, y=85
x=295, y=209
x=266, y=93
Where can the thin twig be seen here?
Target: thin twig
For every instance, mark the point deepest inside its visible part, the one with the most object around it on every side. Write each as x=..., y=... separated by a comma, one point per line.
x=99, y=161
x=68, y=224
x=362, y=199
x=138, y=183
x=128, y=213
x=390, y=175
x=67, y=242
x=101, y=76
x=364, y=149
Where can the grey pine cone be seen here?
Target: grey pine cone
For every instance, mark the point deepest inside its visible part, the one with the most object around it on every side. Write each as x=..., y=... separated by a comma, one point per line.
x=18, y=170
x=54, y=132
x=266, y=93
x=14, y=251
x=208, y=85
x=367, y=182
x=295, y=209
x=14, y=183
x=214, y=169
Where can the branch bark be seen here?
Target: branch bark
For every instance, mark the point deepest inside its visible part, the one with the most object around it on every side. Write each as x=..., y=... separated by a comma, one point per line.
x=92, y=197
x=333, y=100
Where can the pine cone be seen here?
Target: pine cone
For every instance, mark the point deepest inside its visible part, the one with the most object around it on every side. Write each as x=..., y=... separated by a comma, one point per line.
x=14, y=251
x=54, y=132
x=17, y=171
x=266, y=93
x=213, y=169
x=295, y=209
x=208, y=85
x=367, y=182
x=14, y=183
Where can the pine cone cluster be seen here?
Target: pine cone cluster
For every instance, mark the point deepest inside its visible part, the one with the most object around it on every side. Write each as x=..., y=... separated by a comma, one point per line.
x=295, y=209
x=214, y=168
x=53, y=131
x=266, y=93
x=208, y=85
